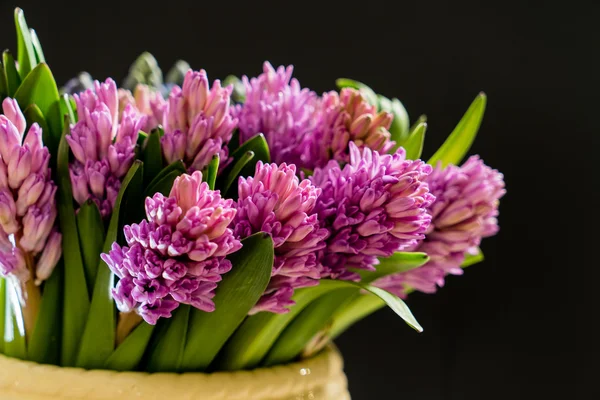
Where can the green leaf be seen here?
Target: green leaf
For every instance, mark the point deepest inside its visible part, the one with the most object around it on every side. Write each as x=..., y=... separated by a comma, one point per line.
x=129, y=353
x=398, y=262
x=471, y=259
x=239, y=90
x=258, y=145
x=177, y=73
x=235, y=172
x=66, y=108
x=360, y=307
x=91, y=237
x=44, y=344
x=414, y=143
x=254, y=338
x=3, y=87
x=25, y=50
x=210, y=172
x=164, y=180
x=397, y=305
x=168, y=353
x=400, y=124
x=306, y=325
x=2, y=311
x=98, y=340
x=366, y=91
x=37, y=47
x=153, y=161
x=14, y=327
x=33, y=114
x=39, y=88
x=238, y=292
x=76, y=301
x=460, y=140
x=13, y=80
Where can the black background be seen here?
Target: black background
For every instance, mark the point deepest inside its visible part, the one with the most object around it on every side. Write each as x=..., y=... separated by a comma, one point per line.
x=521, y=325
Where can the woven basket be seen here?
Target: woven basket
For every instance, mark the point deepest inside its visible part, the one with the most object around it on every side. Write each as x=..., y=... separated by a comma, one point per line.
x=317, y=378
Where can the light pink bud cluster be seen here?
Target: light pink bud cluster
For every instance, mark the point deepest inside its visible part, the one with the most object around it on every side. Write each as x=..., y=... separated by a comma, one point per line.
x=147, y=102
x=29, y=245
x=103, y=145
x=198, y=122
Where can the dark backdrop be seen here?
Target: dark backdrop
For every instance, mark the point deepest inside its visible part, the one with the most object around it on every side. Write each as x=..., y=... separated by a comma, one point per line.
x=518, y=326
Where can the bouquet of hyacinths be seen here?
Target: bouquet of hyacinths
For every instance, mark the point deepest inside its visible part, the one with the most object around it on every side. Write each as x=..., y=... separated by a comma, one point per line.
x=184, y=225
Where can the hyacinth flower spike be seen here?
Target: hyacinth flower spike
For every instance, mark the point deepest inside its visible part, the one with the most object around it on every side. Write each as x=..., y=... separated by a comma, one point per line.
x=374, y=206
x=465, y=211
x=176, y=255
x=103, y=143
x=197, y=121
x=275, y=201
x=30, y=246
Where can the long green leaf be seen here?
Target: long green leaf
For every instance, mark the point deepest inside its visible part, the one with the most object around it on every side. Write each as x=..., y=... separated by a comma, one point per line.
x=39, y=88
x=210, y=172
x=400, y=124
x=66, y=108
x=98, y=340
x=460, y=140
x=237, y=293
x=128, y=355
x=44, y=344
x=2, y=311
x=168, y=353
x=13, y=80
x=25, y=50
x=153, y=161
x=37, y=47
x=360, y=307
x=397, y=305
x=306, y=325
x=414, y=143
x=3, y=87
x=471, y=259
x=258, y=145
x=14, y=328
x=398, y=262
x=237, y=169
x=365, y=90
x=254, y=338
x=176, y=168
x=76, y=301
x=91, y=237
x=164, y=185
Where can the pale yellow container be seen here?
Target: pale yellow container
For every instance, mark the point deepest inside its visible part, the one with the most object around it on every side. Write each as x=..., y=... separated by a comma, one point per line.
x=318, y=378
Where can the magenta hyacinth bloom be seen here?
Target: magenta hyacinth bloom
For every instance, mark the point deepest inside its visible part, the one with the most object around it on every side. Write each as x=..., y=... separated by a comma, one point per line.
x=102, y=144
x=465, y=211
x=275, y=201
x=29, y=245
x=177, y=255
x=147, y=102
x=347, y=117
x=198, y=122
x=374, y=206
x=279, y=108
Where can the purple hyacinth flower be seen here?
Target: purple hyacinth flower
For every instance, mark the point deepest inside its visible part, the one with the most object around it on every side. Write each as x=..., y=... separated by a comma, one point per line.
x=29, y=244
x=177, y=255
x=278, y=107
x=465, y=211
x=347, y=117
x=103, y=145
x=275, y=201
x=198, y=122
x=374, y=206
